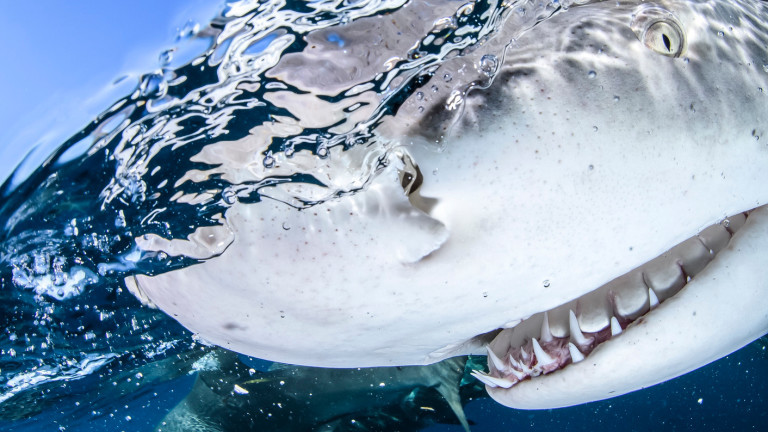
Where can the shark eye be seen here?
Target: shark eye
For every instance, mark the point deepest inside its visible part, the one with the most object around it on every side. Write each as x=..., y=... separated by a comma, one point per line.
x=659, y=29
x=664, y=37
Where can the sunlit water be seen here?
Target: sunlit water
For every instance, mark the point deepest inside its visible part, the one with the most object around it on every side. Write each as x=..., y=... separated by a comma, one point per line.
x=78, y=351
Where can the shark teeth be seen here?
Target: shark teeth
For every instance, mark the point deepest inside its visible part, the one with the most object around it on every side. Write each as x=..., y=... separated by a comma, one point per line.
x=615, y=327
x=496, y=361
x=546, y=334
x=576, y=335
x=653, y=298
x=492, y=381
x=542, y=357
x=541, y=347
x=576, y=355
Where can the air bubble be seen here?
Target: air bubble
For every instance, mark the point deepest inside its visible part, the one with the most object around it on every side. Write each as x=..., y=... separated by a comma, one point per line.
x=229, y=196
x=488, y=64
x=592, y=74
x=447, y=78
x=434, y=89
x=616, y=98
x=190, y=29
x=322, y=151
x=166, y=57
x=546, y=283
x=594, y=128
x=721, y=33
x=153, y=86
x=269, y=161
x=419, y=96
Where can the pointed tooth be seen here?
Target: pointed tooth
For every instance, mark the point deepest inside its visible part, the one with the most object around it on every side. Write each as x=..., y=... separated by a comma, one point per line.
x=515, y=364
x=524, y=354
x=518, y=366
x=576, y=355
x=615, y=327
x=542, y=358
x=576, y=334
x=518, y=374
x=492, y=381
x=653, y=298
x=497, y=362
x=483, y=378
x=546, y=335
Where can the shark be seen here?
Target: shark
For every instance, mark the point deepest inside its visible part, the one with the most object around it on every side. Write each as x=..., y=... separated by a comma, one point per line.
x=228, y=395
x=589, y=214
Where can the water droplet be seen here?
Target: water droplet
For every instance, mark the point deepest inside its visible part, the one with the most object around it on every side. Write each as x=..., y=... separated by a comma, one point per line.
x=592, y=74
x=419, y=96
x=594, y=128
x=720, y=33
x=269, y=161
x=447, y=77
x=591, y=167
x=455, y=99
x=488, y=64
x=322, y=151
x=421, y=109
x=166, y=57
x=153, y=86
x=685, y=60
x=485, y=294
x=286, y=226
x=189, y=29
x=120, y=220
x=434, y=171
x=546, y=283
x=616, y=98
x=726, y=223
x=229, y=196
x=434, y=89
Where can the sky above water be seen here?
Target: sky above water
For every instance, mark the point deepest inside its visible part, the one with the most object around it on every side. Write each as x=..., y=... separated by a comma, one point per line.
x=61, y=58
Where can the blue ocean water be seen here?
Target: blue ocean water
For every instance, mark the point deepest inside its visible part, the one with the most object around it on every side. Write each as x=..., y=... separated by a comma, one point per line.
x=80, y=353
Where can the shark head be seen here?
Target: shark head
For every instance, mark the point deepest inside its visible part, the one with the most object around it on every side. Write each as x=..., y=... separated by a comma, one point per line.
x=591, y=219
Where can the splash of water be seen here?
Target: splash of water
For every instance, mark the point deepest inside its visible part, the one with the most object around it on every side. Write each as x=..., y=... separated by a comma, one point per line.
x=298, y=102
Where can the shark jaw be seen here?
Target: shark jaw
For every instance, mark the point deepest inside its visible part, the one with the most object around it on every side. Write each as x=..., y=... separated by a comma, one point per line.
x=663, y=337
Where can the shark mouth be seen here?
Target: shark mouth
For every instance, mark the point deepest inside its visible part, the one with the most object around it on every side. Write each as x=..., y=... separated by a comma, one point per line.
x=549, y=341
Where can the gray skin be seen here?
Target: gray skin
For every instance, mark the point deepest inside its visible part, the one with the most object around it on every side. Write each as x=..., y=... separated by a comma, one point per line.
x=229, y=397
